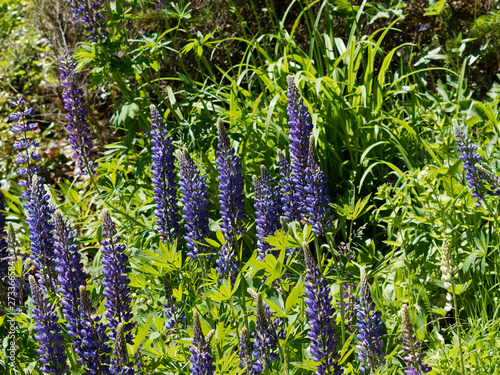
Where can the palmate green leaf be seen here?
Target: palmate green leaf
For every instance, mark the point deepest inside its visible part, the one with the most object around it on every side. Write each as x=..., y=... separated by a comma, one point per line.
x=294, y=295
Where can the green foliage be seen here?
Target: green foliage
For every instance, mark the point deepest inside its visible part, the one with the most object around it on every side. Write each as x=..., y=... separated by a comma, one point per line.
x=383, y=115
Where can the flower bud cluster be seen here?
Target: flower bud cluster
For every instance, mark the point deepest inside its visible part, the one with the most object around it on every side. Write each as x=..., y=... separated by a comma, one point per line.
x=411, y=346
x=202, y=362
x=370, y=330
x=25, y=158
x=316, y=193
x=78, y=127
x=231, y=201
x=195, y=199
x=116, y=281
x=475, y=175
x=89, y=14
x=321, y=333
x=163, y=170
x=448, y=272
x=267, y=210
x=48, y=333
x=94, y=351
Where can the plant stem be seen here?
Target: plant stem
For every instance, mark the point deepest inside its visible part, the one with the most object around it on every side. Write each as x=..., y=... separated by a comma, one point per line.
x=460, y=350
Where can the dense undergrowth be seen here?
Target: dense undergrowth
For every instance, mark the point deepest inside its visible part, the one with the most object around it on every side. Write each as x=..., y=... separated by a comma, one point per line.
x=358, y=237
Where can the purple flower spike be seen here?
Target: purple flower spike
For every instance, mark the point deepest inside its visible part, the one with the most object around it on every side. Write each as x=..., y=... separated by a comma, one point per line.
x=471, y=159
x=321, y=318
x=317, y=199
x=370, y=330
x=25, y=158
x=48, y=332
x=163, y=170
x=410, y=345
x=115, y=282
x=89, y=14
x=202, y=362
x=78, y=127
x=267, y=210
x=231, y=201
x=71, y=277
x=120, y=362
x=246, y=357
x=265, y=338
x=195, y=199
x=4, y=250
x=300, y=131
x=160, y=4
x=94, y=350
x=40, y=226
x=288, y=193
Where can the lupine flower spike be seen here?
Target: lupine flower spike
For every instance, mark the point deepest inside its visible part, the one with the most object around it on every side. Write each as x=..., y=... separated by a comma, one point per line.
x=299, y=121
x=491, y=179
x=246, y=357
x=231, y=202
x=163, y=170
x=116, y=281
x=202, y=362
x=448, y=273
x=411, y=345
x=94, y=351
x=316, y=193
x=70, y=277
x=78, y=127
x=267, y=210
x=89, y=14
x=40, y=226
x=48, y=332
x=289, y=202
x=370, y=330
x=26, y=158
x=471, y=159
x=195, y=199
x=265, y=338
x=120, y=364
x=323, y=346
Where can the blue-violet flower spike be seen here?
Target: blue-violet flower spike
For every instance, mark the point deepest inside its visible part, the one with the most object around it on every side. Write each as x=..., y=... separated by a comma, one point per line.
x=301, y=127
x=370, y=330
x=120, y=362
x=317, y=199
x=115, y=282
x=94, y=349
x=195, y=199
x=48, y=333
x=471, y=158
x=70, y=277
x=231, y=201
x=163, y=170
x=202, y=362
x=323, y=346
x=89, y=14
x=40, y=226
x=78, y=127
x=410, y=345
x=267, y=210
x=25, y=158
